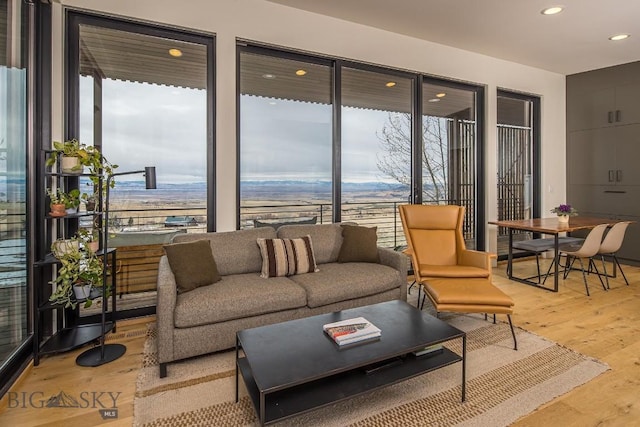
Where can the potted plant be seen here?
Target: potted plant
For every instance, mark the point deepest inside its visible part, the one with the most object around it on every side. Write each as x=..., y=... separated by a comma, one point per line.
x=74, y=156
x=78, y=273
x=56, y=202
x=89, y=239
x=90, y=201
x=71, y=200
x=564, y=212
x=63, y=246
x=70, y=153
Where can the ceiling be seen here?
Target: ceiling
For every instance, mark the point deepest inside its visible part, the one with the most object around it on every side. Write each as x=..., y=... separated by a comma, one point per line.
x=570, y=42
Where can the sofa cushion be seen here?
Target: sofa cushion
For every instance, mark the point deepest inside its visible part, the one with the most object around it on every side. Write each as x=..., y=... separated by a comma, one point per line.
x=359, y=244
x=237, y=296
x=286, y=257
x=192, y=264
x=235, y=252
x=326, y=238
x=340, y=282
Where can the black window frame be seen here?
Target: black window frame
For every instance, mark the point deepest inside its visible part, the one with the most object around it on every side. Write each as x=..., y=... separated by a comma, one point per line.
x=416, y=110
x=75, y=18
x=536, y=141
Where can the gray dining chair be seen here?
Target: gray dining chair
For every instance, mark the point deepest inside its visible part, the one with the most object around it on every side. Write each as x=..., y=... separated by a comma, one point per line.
x=539, y=246
x=610, y=245
x=587, y=250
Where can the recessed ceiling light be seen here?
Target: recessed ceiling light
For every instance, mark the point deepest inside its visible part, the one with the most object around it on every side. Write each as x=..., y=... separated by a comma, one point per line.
x=269, y=76
x=300, y=72
x=177, y=53
x=390, y=84
x=441, y=95
x=434, y=100
x=552, y=10
x=619, y=37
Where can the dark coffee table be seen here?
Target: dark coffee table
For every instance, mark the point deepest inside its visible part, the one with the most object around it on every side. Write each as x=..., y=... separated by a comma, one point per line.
x=294, y=367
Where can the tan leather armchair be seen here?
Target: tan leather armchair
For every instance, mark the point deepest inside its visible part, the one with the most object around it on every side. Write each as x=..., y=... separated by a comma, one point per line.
x=437, y=247
x=453, y=277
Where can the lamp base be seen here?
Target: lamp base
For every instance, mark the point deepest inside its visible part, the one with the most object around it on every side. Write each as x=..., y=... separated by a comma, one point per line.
x=93, y=356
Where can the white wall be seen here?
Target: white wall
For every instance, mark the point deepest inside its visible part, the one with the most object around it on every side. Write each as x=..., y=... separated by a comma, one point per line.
x=265, y=22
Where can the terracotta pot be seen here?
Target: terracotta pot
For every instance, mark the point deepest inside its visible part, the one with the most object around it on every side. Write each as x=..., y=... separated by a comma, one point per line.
x=93, y=246
x=58, y=209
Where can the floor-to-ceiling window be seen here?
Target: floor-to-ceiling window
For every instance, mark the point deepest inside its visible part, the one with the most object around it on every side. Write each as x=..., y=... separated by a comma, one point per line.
x=143, y=94
x=450, y=165
x=14, y=80
x=285, y=149
x=376, y=149
x=518, y=161
x=323, y=135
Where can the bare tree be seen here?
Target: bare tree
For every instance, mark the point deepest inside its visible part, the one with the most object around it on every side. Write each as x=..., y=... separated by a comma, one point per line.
x=394, y=160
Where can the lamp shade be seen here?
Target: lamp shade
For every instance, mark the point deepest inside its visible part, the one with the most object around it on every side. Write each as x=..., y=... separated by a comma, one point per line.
x=150, y=177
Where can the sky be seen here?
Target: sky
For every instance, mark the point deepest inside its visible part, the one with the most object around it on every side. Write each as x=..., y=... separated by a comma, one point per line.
x=144, y=123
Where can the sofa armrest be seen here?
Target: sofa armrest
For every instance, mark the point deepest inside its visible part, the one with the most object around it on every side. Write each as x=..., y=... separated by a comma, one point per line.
x=165, y=307
x=394, y=259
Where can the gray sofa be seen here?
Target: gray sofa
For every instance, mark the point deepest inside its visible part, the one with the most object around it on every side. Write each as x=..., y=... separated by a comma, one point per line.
x=207, y=318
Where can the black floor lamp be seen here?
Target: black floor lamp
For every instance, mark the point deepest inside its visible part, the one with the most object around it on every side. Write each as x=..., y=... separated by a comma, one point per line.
x=106, y=353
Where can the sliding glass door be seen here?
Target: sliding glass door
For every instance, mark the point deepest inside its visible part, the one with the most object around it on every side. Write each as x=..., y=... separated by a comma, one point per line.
x=334, y=140
x=14, y=77
x=143, y=95
x=376, y=148
x=451, y=170
x=285, y=139
x=518, y=162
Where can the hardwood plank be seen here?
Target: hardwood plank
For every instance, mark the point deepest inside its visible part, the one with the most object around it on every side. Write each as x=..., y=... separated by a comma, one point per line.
x=605, y=325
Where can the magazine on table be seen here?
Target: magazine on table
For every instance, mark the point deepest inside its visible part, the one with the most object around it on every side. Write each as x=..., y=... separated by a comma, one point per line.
x=351, y=330
x=431, y=350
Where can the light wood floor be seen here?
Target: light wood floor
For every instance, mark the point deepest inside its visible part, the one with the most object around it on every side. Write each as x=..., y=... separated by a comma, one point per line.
x=605, y=326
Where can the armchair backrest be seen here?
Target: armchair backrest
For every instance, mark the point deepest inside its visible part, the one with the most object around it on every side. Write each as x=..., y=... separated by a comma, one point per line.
x=434, y=232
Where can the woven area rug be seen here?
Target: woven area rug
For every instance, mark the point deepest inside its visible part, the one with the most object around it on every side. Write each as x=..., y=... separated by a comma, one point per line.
x=502, y=386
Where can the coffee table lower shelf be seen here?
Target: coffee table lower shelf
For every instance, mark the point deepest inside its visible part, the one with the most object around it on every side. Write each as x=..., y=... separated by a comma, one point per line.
x=296, y=399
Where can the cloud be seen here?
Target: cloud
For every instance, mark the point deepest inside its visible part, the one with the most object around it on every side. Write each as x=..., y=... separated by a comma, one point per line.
x=165, y=126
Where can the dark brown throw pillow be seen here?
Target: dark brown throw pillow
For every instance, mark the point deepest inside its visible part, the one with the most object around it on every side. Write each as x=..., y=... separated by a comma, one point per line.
x=359, y=244
x=192, y=264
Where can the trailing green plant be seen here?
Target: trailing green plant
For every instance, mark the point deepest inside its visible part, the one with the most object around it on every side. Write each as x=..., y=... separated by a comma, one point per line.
x=76, y=267
x=89, y=198
x=71, y=199
x=88, y=155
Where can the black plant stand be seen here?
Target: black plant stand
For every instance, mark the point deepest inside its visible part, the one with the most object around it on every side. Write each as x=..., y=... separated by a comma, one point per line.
x=104, y=353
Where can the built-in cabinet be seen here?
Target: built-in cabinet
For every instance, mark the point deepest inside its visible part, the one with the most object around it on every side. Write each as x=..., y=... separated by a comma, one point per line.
x=603, y=147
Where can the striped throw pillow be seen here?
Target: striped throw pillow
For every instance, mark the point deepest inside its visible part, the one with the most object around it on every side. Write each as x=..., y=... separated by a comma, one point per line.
x=286, y=257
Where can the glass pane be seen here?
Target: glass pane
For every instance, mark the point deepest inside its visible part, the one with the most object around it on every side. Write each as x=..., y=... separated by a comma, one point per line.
x=376, y=151
x=515, y=166
x=143, y=99
x=449, y=167
x=285, y=141
x=449, y=151
x=13, y=143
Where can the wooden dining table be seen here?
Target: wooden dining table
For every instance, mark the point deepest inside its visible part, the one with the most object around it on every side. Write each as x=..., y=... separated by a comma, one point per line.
x=550, y=226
